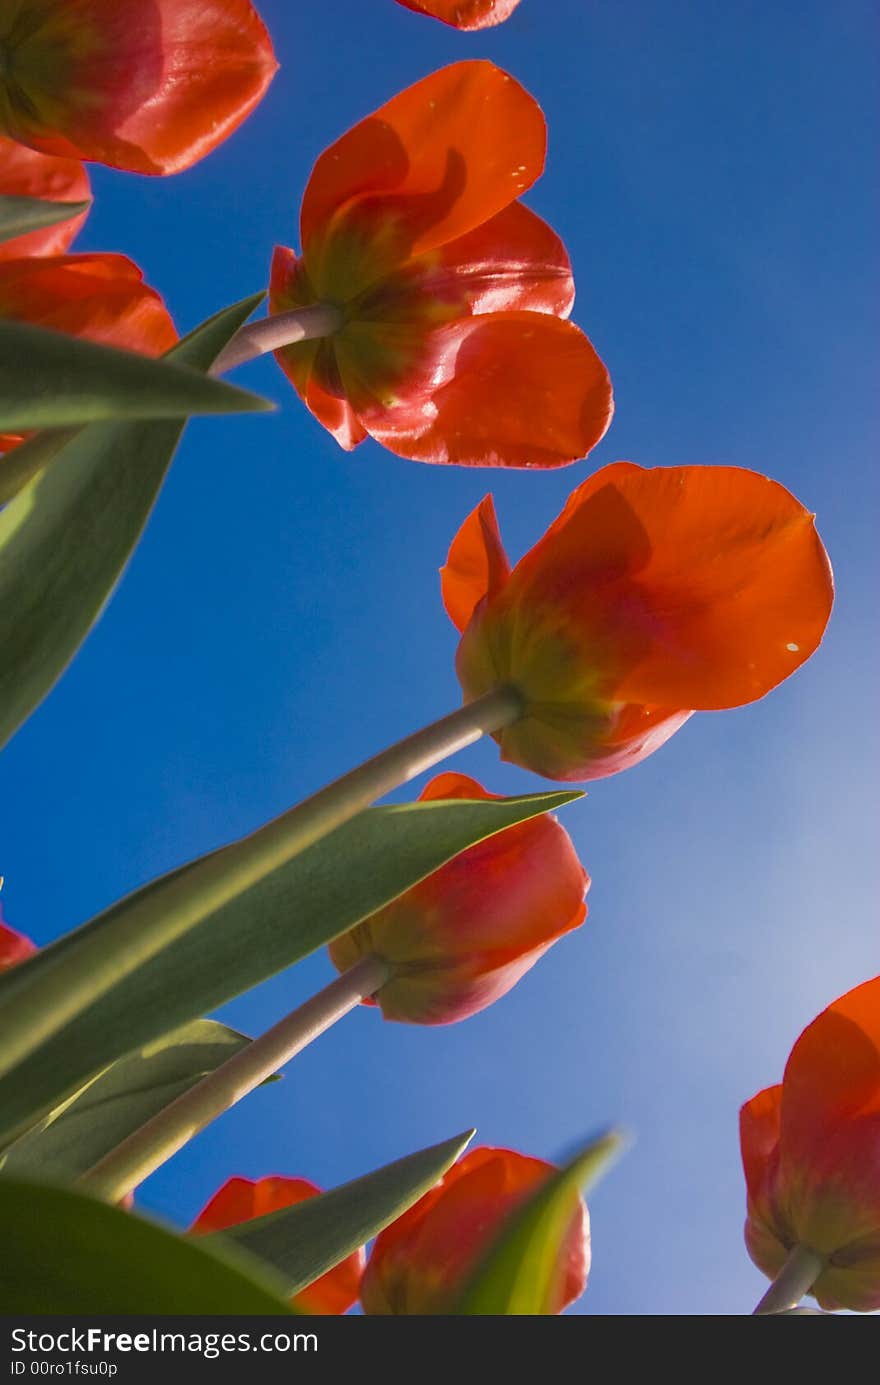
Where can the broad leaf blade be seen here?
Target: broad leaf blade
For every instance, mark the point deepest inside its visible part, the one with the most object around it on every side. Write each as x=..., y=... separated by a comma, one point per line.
x=79, y=1132
x=66, y=537
x=66, y=1253
x=301, y=1243
x=19, y=215
x=518, y=1273
x=51, y=380
x=287, y=914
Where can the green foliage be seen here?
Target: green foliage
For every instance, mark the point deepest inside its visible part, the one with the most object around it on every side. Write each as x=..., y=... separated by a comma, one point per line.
x=66, y=537
x=301, y=1243
x=18, y=215
x=262, y=928
x=66, y=1253
x=81, y=1130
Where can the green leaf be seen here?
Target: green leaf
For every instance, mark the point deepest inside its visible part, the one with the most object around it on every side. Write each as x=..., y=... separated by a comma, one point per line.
x=64, y=1252
x=301, y=1243
x=66, y=538
x=517, y=1275
x=98, y=1117
x=49, y=379
x=288, y=913
x=18, y=215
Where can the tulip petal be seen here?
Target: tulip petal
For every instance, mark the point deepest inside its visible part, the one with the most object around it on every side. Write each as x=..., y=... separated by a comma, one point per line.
x=695, y=587
x=464, y=14
x=477, y=565
x=26, y=173
x=241, y=1199
x=150, y=86
x=759, y=1134
x=527, y=390
x=436, y=161
x=833, y=1074
x=514, y=262
x=102, y=298
x=14, y=947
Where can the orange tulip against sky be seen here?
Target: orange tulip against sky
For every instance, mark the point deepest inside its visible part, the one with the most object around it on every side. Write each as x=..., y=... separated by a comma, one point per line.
x=811, y=1154
x=100, y=297
x=240, y=1199
x=421, y=1262
x=655, y=593
x=463, y=937
x=25, y=173
x=452, y=342
x=151, y=86
x=464, y=14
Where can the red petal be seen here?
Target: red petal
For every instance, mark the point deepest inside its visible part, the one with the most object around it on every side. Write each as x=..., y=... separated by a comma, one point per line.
x=436, y=161
x=513, y=262
x=477, y=564
x=420, y=1261
x=25, y=173
x=149, y=87
x=692, y=587
x=464, y=14
x=527, y=390
x=240, y=1199
x=759, y=1134
x=14, y=947
x=833, y=1073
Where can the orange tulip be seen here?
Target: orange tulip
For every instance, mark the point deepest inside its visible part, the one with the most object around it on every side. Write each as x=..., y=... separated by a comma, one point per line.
x=452, y=344
x=811, y=1154
x=464, y=14
x=421, y=1262
x=655, y=593
x=25, y=173
x=464, y=936
x=14, y=947
x=151, y=86
x=240, y=1199
x=100, y=297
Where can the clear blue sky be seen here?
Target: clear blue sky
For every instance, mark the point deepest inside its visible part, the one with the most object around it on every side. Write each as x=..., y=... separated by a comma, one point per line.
x=712, y=170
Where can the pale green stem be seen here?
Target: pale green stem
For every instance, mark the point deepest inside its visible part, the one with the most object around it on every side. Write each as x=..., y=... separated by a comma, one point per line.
x=34, y=1010
x=796, y=1278
x=279, y=329
x=145, y=1150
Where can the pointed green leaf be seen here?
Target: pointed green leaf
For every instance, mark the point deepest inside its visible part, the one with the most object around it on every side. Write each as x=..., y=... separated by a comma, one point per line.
x=64, y=1252
x=262, y=928
x=49, y=379
x=19, y=215
x=301, y=1243
x=66, y=537
x=518, y=1273
x=79, y=1132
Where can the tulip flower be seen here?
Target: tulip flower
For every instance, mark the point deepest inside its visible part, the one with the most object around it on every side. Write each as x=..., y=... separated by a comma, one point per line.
x=420, y=1264
x=811, y=1154
x=464, y=14
x=444, y=299
x=464, y=936
x=25, y=173
x=240, y=1199
x=100, y=297
x=150, y=86
x=657, y=592
x=14, y=946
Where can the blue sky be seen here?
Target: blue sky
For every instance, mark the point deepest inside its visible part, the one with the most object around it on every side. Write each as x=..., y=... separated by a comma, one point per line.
x=712, y=171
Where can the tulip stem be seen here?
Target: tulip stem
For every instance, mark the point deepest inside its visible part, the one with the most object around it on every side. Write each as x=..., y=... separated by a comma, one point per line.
x=33, y=1011
x=796, y=1278
x=279, y=329
x=146, y=1149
